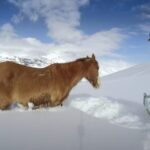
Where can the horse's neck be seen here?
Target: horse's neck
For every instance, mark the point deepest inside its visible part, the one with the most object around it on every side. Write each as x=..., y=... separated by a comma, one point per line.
x=70, y=73
x=73, y=72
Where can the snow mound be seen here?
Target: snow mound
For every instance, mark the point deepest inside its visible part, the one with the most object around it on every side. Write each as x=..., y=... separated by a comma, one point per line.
x=102, y=108
x=117, y=112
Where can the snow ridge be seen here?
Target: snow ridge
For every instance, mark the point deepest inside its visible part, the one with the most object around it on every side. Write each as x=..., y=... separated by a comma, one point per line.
x=117, y=112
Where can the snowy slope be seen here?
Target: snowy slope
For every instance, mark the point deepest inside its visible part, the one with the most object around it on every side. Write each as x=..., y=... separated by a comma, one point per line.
x=129, y=84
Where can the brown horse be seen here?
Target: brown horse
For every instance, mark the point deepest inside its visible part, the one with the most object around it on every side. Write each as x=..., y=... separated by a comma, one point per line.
x=44, y=86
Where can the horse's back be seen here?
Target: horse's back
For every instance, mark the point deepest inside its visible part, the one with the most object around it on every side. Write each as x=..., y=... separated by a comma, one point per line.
x=12, y=67
x=8, y=69
x=15, y=77
x=8, y=65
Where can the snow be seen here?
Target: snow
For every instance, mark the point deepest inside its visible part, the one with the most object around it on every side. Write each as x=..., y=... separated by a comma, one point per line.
x=115, y=112
x=64, y=130
x=129, y=84
x=110, y=118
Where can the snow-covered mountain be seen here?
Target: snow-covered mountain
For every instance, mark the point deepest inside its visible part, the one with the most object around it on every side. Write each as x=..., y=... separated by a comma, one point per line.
x=34, y=61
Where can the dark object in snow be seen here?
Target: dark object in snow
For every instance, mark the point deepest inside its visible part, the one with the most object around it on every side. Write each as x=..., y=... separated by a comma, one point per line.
x=149, y=37
x=47, y=86
x=146, y=102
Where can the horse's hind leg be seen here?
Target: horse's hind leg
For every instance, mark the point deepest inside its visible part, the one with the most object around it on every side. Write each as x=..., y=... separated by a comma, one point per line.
x=44, y=105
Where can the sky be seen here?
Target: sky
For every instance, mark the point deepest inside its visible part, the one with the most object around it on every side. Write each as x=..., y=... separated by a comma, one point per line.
x=116, y=31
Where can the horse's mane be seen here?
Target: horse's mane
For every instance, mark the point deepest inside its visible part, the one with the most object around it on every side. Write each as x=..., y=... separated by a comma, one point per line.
x=82, y=59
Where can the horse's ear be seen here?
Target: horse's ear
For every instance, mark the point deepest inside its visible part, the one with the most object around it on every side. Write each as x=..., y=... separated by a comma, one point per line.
x=87, y=57
x=93, y=56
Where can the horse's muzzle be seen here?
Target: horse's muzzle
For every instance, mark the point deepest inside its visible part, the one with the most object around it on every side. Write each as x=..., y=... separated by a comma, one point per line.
x=97, y=85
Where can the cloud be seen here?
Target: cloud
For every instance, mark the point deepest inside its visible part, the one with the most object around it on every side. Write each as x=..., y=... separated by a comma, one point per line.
x=101, y=43
x=61, y=17
x=144, y=10
x=12, y=44
x=145, y=27
x=104, y=42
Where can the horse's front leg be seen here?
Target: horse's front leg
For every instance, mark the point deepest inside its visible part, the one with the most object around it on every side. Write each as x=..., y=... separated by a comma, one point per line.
x=56, y=103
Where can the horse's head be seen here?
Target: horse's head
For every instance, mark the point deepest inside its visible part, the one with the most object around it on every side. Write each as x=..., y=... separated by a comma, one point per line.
x=92, y=71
